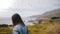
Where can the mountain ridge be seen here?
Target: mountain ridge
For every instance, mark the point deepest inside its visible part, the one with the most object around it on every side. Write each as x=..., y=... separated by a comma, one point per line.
x=49, y=14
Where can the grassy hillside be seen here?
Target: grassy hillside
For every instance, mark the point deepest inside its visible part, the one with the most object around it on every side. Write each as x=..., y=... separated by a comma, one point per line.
x=53, y=27
x=50, y=28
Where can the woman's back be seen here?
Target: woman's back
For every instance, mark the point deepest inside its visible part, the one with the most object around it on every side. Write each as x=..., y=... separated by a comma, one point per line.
x=19, y=29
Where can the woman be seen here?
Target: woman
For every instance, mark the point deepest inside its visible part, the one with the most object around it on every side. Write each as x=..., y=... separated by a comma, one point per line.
x=19, y=26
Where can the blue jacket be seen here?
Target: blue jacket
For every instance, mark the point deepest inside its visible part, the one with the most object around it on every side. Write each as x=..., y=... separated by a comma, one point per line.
x=19, y=29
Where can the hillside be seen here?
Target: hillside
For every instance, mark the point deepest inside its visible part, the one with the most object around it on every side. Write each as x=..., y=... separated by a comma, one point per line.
x=48, y=14
x=52, y=13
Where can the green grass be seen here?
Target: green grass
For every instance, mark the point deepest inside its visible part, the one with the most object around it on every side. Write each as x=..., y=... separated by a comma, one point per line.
x=5, y=30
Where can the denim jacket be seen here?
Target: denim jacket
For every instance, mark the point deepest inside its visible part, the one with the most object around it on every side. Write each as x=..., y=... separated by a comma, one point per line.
x=19, y=29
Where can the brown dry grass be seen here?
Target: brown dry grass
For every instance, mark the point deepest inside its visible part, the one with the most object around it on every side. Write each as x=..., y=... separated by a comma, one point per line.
x=54, y=29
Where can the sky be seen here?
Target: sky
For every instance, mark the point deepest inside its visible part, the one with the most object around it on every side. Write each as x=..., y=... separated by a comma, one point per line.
x=27, y=8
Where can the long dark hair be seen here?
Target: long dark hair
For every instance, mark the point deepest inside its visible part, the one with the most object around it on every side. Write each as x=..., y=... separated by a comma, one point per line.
x=16, y=19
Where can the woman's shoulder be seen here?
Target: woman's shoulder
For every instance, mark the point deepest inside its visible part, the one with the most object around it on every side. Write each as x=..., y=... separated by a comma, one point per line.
x=16, y=27
x=19, y=27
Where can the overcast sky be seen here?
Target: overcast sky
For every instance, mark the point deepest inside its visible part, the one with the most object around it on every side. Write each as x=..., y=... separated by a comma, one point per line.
x=27, y=7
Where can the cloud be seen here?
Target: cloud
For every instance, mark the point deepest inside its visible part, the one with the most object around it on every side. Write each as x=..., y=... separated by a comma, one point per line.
x=30, y=4
x=5, y=4
x=30, y=7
